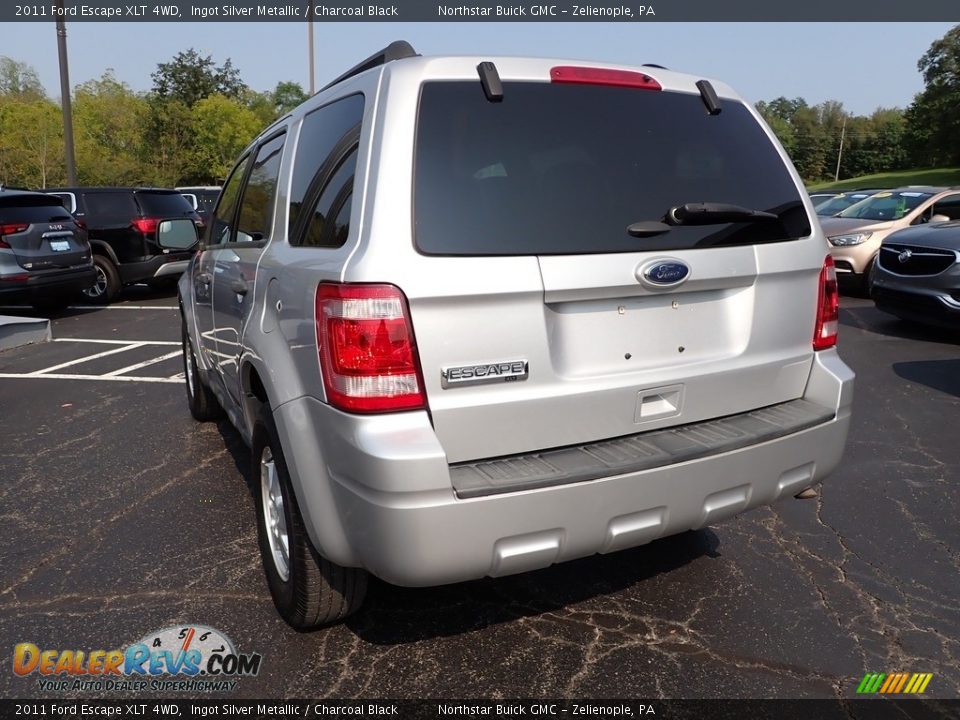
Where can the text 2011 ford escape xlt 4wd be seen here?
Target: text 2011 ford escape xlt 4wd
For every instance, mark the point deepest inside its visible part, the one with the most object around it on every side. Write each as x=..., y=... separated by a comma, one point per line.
x=476, y=316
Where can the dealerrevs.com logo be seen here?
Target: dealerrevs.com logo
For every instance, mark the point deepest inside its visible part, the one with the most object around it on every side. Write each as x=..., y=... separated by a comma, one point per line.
x=192, y=658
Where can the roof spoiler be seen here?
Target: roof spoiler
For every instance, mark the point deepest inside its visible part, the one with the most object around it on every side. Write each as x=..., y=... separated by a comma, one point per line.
x=397, y=50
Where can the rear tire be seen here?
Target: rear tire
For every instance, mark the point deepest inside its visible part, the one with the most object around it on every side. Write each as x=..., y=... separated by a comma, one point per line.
x=107, y=285
x=308, y=590
x=202, y=402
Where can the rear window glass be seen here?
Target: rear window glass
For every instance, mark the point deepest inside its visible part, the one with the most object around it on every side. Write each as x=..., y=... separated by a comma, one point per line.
x=564, y=169
x=164, y=204
x=34, y=213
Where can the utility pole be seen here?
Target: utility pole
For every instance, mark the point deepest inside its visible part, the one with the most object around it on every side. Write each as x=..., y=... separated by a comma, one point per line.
x=65, y=96
x=309, y=17
x=843, y=132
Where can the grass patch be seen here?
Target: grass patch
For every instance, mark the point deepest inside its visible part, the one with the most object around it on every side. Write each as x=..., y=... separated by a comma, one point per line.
x=936, y=176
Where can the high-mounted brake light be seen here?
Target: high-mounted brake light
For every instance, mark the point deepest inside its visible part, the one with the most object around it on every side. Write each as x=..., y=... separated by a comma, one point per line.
x=368, y=357
x=828, y=308
x=575, y=75
x=10, y=229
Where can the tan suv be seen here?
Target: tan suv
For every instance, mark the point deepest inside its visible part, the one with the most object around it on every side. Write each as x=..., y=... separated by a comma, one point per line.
x=856, y=233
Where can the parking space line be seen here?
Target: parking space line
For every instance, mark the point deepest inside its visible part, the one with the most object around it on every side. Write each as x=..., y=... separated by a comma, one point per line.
x=29, y=308
x=145, y=363
x=58, y=376
x=117, y=342
x=78, y=361
x=122, y=307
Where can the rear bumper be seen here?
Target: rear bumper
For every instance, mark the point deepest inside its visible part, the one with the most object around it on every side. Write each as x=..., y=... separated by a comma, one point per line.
x=50, y=283
x=377, y=492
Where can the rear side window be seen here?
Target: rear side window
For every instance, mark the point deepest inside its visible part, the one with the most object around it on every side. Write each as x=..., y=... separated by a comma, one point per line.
x=256, y=208
x=110, y=208
x=329, y=224
x=321, y=136
x=222, y=226
x=949, y=206
x=564, y=169
x=163, y=204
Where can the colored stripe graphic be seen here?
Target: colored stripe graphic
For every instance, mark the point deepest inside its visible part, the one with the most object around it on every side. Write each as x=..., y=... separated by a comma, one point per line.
x=891, y=679
x=894, y=683
x=903, y=681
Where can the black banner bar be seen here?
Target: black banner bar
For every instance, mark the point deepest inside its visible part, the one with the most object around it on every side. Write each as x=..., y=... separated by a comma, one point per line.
x=860, y=11
x=875, y=708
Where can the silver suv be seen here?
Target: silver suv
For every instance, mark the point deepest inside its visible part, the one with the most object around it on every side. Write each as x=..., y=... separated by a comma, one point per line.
x=477, y=316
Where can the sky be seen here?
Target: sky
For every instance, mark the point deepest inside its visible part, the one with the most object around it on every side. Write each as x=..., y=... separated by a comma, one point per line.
x=863, y=65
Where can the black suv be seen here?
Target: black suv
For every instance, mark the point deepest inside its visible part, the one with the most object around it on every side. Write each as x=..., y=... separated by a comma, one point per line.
x=122, y=224
x=203, y=198
x=44, y=253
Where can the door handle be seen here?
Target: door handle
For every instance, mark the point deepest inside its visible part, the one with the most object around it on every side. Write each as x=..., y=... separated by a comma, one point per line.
x=240, y=287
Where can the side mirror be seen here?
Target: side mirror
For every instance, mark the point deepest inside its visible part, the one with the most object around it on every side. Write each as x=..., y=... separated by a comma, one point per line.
x=179, y=234
x=939, y=218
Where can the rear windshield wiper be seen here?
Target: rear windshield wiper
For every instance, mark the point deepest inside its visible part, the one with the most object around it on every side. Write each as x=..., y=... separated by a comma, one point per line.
x=713, y=214
x=698, y=214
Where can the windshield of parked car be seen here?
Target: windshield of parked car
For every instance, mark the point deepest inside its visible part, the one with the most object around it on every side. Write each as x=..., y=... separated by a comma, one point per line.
x=885, y=205
x=837, y=204
x=565, y=169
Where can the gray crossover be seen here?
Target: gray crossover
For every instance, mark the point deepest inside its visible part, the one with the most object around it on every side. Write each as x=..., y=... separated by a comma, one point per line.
x=475, y=316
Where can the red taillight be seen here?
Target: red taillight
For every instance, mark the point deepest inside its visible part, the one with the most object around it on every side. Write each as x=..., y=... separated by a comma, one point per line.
x=368, y=356
x=10, y=229
x=601, y=76
x=82, y=224
x=828, y=308
x=145, y=225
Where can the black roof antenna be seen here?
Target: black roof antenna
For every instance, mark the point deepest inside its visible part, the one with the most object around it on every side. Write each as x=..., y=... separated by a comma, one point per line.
x=397, y=50
x=709, y=97
x=490, y=80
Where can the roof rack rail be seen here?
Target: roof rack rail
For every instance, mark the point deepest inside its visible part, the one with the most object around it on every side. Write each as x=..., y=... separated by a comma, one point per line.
x=397, y=50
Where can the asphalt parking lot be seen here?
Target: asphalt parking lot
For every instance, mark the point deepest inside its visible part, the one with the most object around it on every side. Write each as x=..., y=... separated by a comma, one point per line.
x=121, y=516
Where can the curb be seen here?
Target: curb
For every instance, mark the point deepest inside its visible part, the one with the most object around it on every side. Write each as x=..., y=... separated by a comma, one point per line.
x=16, y=331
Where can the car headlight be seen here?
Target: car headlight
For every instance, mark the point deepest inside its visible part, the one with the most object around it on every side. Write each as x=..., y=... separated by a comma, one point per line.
x=852, y=239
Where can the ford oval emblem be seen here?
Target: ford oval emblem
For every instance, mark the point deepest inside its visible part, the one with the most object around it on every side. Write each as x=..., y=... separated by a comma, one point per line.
x=664, y=273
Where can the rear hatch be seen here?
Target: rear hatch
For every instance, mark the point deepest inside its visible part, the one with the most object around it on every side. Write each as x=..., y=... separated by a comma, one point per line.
x=41, y=233
x=549, y=324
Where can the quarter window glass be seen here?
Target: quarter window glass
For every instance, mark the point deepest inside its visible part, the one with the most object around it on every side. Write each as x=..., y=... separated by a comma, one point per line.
x=256, y=209
x=330, y=222
x=222, y=224
x=111, y=208
x=320, y=133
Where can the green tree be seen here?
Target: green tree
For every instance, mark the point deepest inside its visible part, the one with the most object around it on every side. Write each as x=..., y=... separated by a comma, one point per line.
x=286, y=96
x=190, y=77
x=109, y=125
x=20, y=79
x=31, y=142
x=170, y=142
x=222, y=127
x=933, y=119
